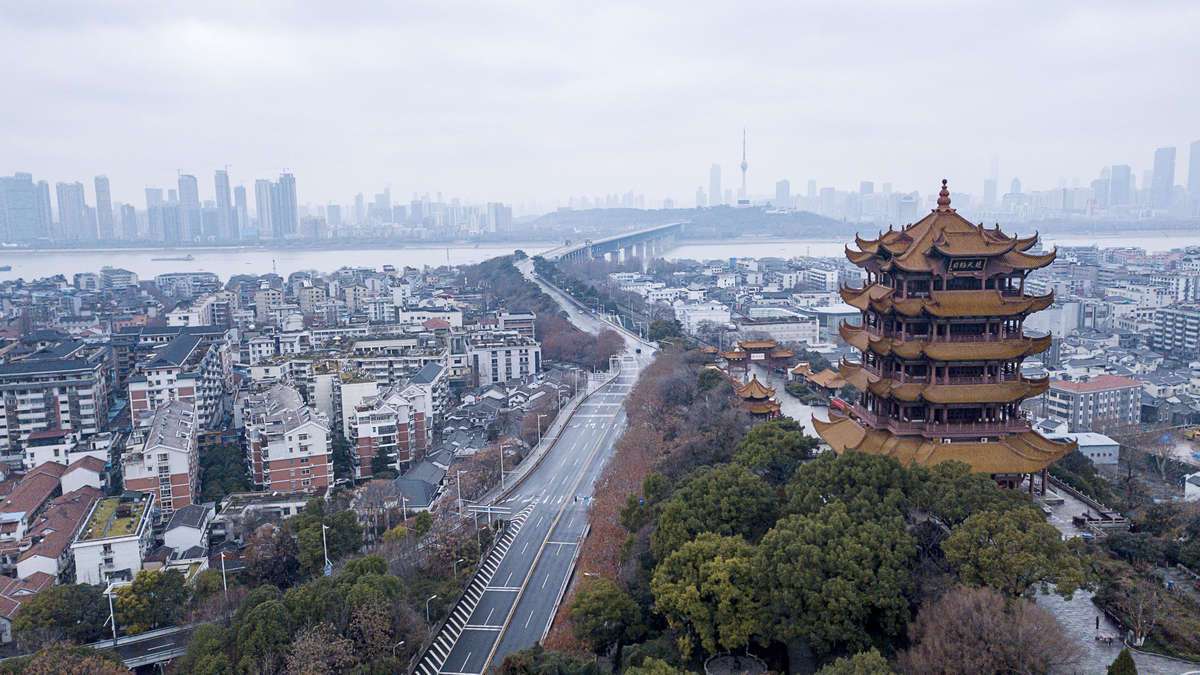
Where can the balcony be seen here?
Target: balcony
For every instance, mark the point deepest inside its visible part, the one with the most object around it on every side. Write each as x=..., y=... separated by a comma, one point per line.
x=940, y=429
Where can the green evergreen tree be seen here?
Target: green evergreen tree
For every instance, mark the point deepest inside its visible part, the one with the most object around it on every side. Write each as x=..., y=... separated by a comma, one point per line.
x=1124, y=664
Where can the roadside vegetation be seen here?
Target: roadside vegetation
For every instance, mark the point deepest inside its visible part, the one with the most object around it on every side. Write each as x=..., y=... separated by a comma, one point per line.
x=504, y=287
x=739, y=538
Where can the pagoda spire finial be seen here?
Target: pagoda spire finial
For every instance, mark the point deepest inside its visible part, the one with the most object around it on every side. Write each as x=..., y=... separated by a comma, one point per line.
x=943, y=201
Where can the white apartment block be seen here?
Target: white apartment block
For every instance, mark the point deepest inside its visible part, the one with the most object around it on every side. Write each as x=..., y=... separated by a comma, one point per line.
x=114, y=539
x=502, y=356
x=690, y=316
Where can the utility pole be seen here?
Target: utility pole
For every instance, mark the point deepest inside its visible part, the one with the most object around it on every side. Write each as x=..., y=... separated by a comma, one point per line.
x=460, y=499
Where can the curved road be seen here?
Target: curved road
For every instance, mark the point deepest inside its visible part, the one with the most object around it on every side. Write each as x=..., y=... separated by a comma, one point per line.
x=515, y=611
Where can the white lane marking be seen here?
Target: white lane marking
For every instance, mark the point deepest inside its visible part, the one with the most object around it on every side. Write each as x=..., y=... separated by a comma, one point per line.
x=523, y=548
x=545, y=580
x=509, y=578
x=467, y=660
x=529, y=619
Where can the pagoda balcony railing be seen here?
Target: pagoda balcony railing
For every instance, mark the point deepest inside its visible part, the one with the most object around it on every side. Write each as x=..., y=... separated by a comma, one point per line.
x=936, y=429
x=980, y=337
x=952, y=380
x=976, y=428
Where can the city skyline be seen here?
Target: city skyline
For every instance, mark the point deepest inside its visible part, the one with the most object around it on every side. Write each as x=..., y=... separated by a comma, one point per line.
x=555, y=113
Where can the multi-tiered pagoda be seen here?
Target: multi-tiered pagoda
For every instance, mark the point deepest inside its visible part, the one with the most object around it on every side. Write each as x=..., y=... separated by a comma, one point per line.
x=942, y=345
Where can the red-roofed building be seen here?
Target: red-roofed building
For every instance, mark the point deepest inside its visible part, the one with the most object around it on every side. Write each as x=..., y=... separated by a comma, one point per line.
x=85, y=471
x=24, y=504
x=47, y=548
x=13, y=594
x=1100, y=403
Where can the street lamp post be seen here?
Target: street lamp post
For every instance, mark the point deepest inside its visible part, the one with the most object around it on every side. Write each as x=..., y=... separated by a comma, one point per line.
x=540, y=416
x=224, y=581
x=456, y=566
x=431, y=599
x=395, y=647
x=501, y=467
x=325, y=550
x=112, y=615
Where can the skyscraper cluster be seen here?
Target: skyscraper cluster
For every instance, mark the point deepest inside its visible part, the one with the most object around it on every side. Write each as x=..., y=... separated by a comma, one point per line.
x=181, y=216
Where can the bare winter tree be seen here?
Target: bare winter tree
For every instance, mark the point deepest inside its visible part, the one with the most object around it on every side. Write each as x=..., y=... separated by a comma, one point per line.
x=1141, y=604
x=977, y=630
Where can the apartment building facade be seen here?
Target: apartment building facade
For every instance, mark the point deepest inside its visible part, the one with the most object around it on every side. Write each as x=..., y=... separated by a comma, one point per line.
x=163, y=457
x=288, y=444
x=501, y=356
x=48, y=391
x=1101, y=403
x=193, y=367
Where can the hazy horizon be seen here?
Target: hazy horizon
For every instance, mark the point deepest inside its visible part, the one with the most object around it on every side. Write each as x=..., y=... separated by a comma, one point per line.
x=525, y=102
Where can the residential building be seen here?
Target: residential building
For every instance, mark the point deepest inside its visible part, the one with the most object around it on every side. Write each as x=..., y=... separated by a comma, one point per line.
x=115, y=538
x=289, y=447
x=28, y=499
x=194, y=367
x=1104, y=403
x=47, y=546
x=14, y=593
x=63, y=386
x=188, y=527
x=163, y=457
x=49, y=445
x=690, y=316
x=502, y=356
x=1177, y=330
x=393, y=424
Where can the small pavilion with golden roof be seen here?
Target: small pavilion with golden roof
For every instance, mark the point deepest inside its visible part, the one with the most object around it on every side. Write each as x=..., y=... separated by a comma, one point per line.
x=767, y=352
x=941, y=345
x=757, y=398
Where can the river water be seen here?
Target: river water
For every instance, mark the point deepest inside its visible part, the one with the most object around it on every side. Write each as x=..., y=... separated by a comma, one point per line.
x=226, y=262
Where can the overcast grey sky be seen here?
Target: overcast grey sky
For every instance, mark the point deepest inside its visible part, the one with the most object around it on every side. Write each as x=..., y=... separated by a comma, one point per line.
x=543, y=100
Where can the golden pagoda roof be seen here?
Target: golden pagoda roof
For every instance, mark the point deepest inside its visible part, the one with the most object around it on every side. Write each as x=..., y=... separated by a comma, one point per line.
x=944, y=304
x=754, y=390
x=950, y=235
x=708, y=349
x=781, y=353
x=996, y=350
x=802, y=368
x=992, y=392
x=1023, y=452
x=828, y=378
x=761, y=407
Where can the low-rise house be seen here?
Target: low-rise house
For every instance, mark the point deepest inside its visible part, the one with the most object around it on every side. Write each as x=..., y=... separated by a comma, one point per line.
x=86, y=471
x=49, y=445
x=188, y=527
x=1097, y=447
x=14, y=593
x=29, y=497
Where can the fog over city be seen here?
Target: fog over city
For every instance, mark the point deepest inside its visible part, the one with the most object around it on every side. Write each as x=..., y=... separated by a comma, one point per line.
x=538, y=101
